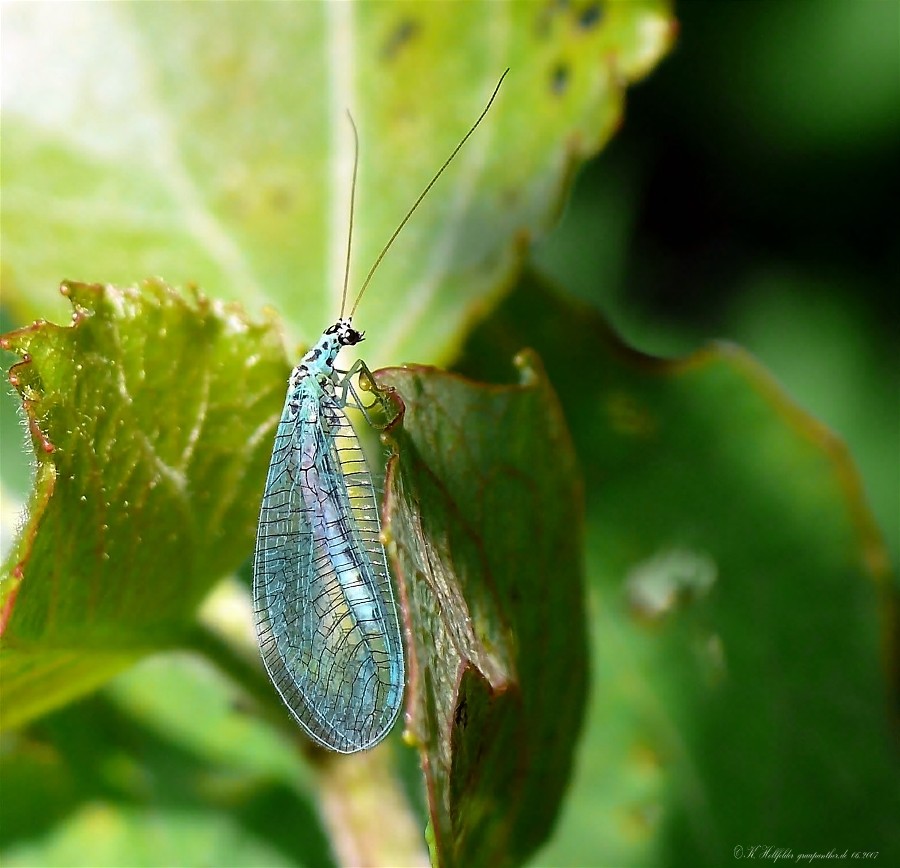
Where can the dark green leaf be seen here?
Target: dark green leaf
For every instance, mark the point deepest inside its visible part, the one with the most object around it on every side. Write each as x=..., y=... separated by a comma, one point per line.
x=742, y=608
x=484, y=518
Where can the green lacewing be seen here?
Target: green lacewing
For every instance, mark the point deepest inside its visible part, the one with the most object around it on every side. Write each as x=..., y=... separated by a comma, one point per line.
x=326, y=618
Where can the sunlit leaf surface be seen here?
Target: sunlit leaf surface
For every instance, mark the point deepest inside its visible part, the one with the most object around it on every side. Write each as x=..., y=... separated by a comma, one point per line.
x=151, y=416
x=227, y=162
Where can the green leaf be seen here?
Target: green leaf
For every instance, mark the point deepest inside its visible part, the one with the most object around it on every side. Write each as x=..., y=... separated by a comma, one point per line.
x=152, y=418
x=743, y=618
x=227, y=162
x=484, y=517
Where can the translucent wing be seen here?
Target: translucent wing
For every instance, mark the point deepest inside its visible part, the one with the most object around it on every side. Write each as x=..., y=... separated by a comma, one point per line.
x=325, y=612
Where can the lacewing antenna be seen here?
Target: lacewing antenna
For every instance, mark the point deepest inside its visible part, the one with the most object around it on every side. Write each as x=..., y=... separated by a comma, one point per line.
x=352, y=206
x=422, y=195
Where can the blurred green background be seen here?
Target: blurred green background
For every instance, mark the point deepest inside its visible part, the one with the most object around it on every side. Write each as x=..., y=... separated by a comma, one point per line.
x=750, y=195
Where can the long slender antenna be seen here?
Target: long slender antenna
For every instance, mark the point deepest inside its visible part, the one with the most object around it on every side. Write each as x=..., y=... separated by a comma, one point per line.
x=352, y=206
x=422, y=195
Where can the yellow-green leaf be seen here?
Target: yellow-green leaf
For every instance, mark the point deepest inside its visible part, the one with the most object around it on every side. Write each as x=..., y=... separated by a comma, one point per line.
x=209, y=143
